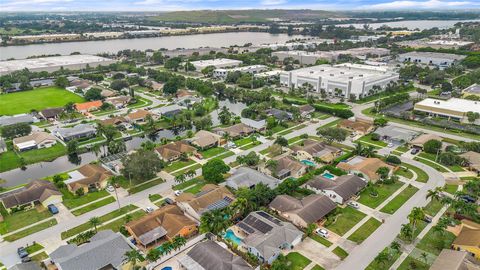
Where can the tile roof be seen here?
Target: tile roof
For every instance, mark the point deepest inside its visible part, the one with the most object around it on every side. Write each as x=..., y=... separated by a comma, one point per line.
x=93, y=173
x=311, y=208
x=422, y=139
x=38, y=137
x=236, y=130
x=88, y=105
x=346, y=185
x=208, y=198
x=362, y=126
x=367, y=166
x=51, y=112
x=468, y=237
x=287, y=163
x=139, y=114
x=37, y=190
x=315, y=148
x=174, y=149
x=205, y=138
x=113, y=121
x=247, y=177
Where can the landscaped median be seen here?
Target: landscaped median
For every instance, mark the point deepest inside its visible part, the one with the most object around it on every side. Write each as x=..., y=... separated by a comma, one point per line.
x=421, y=175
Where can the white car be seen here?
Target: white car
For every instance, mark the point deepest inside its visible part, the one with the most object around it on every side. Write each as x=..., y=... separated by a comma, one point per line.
x=353, y=204
x=390, y=145
x=149, y=209
x=178, y=192
x=322, y=232
x=110, y=188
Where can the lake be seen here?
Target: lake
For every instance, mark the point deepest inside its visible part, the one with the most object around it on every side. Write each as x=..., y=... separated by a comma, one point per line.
x=170, y=42
x=412, y=25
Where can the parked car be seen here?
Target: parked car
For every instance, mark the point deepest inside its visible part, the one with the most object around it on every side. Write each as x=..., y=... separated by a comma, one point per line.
x=468, y=198
x=26, y=259
x=169, y=201
x=178, y=192
x=322, y=232
x=22, y=252
x=414, y=151
x=53, y=209
x=149, y=209
x=110, y=188
x=427, y=219
x=353, y=204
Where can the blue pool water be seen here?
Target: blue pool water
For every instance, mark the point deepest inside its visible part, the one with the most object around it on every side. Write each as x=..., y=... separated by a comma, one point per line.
x=167, y=268
x=230, y=235
x=328, y=175
x=308, y=162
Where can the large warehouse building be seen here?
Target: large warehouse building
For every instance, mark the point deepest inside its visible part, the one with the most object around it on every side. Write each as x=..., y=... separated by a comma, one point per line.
x=344, y=80
x=441, y=60
x=217, y=63
x=54, y=63
x=454, y=108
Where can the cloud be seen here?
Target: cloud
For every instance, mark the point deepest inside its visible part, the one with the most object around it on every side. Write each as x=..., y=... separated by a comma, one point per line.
x=431, y=4
x=273, y=2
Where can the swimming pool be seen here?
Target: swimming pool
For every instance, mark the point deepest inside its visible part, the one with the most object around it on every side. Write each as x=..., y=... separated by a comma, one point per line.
x=230, y=235
x=308, y=162
x=328, y=175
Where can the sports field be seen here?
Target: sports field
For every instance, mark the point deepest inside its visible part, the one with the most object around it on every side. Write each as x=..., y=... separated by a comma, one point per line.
x=38, y=99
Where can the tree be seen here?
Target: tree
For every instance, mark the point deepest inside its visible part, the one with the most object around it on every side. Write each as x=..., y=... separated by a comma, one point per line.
x=157, y=57
x=281, y=263
x=115, y=147
x=69, y=107
x=432, y=146
x=281, y=141
x=251, y=159
x=214, y=169
x=395, y=246
x=208, y=71
x=214, y=221
x=473, y=116
x=225, y=116
x=142, y=165
x=62, y=82
x=383, y=172
x=180, y=178
x=72, y=147
x=435, y=194
x=406, y=231
x=415, y=215
x=93, y=94
x=311, y=229
x=114, y=181
x=118, y=85
x=94, y=221
x=332, y=134
x=380, y=122
x=16, y=130
x=383, y=257
x=153, y=255
x=393, y=160
x=133, y=256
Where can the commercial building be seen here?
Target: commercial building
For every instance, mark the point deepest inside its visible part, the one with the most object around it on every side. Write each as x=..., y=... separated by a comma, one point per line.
x=54, y=63
x=217, y=63
x=254, y=69
x=473, y=89
x=441, y=60
x=452, y=109
x=345, y=80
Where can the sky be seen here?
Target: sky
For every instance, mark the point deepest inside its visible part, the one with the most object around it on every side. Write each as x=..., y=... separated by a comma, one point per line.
x=170, y=5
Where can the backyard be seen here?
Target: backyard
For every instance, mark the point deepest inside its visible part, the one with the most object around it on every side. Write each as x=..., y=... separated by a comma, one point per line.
x=11, y=159
x=37, y=99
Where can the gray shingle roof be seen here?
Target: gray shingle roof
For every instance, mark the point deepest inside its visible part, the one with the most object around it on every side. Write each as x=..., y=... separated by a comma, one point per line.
x=311, y=208
x=21, y=118
x=105, y=248
x=76, y=130
x=247, y=177
x=346, y=185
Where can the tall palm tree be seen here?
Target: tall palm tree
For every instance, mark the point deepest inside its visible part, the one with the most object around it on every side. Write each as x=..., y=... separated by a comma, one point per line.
x=406, y=231
x=239, y=206
x=96, y=149
x=416, y=215
x=181, y=241
x=435, y=194
x=358, y=149
x=95, y=221
x=114, y=180
x=133, y=256
x=153, y=255
x=214, y=222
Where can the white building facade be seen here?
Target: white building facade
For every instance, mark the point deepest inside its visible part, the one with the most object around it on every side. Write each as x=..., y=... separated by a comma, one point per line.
x=254, y=69
x=217, y=63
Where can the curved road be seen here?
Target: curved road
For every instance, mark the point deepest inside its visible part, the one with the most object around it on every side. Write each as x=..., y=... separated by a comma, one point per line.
x=361, y=256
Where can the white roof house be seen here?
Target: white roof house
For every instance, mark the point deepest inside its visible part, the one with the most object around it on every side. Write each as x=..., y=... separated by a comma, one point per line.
x=217, y=63
x=455, y=108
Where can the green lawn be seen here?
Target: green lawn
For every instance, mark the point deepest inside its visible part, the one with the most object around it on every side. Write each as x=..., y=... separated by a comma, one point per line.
x=37, y=99
x=176, y=165
x=186, y=184
x=212, y=152
x=340, y=252
x=144, y=186
x=11, y=160
x=450, y=188
x=377, y=265
x=18, y=220
x=154, y=197
x=365, y=230
x=93, y=206
x=411, y=263
x=404, y=172
x=193, y=168
x=243, y=141
x=34, y=229
x=40, y=257
x=432, y=164
x=33, y=248
x=399, y=200
x=196, y=189
x=318, y=267
x=297, y=261
x=347, y=218
x=368, y=139
x=321, y=240
x=249, y=146
x=384, y=191
x=432, y=207
x=421, y=175
x=117, y=224
x=433, y=242
x=71, y=201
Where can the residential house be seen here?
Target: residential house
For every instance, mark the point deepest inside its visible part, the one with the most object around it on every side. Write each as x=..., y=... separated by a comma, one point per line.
x=468, y=238
x=419, y=141
x=312, y=149
x=116, y=121
x=88, y=177
x=306, y=110
x=36, y=140
x=173, y=151
x=473, y=159
x=303, y=212
x=163, y=224
x=236, y=131
x=257, y=125
x=455, y=260
x=396, y=135
x=168, y=111
x=79, y=84
x=210, y=198
x=279, y=114
x=88, y=106
x=286, y=167
x=139, y=116
x=51, y=113
x=365, y=167
x=210, y=255
x=36, y=192
x=105, y=250
x=340, y=190
x=79, y=131
x=155, y=86
x=357, y=126
x=107, y=93
x=249, y=178
x=205, y=139
x=119, y=102
x=184, y=93
x=8, y=120
x=266, y=236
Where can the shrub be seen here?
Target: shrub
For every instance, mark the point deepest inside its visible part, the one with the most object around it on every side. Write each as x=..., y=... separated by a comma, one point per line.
x=393, y=160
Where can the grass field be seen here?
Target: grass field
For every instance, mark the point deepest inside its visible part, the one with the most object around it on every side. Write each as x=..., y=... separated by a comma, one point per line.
x=399, y=200
x=365, y=230
x=340, y=252
x=21, y=219
x=71, y=201
x=347, y=218
x=384, y=191
x=93, y=206
x=297, y=261
x=37, y=99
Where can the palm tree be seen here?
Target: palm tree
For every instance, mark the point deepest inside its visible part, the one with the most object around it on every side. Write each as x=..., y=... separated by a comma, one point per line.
x=416, y=215
x=180, y=178
x=95, y=221
x=114, y=180
x=435, y=194
x=395, y=246
x=406, y=231
x=424, y=257
x=96, y=149
x=239, y=206
x=133, y=256
x=153, y=255
x=358, y=149
x=181, y=241
x=382, y=257
x=214, y=222
x=128, y=218
x=368, y=151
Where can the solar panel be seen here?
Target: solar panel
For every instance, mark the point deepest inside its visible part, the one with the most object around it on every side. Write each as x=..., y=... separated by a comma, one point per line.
x=228, y=199
x=220, y=204
x=269, y=217
x=245, y=228
x=257, y=224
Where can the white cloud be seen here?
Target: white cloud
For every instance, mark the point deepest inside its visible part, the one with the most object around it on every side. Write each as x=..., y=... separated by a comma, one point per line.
x=273, y=2
x=431, y=4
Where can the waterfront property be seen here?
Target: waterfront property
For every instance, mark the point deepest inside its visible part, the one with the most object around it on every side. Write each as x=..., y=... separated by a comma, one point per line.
x=163, y=224
x=453, y=109
x=211, y=197
x=34, y=193
x=303, y=212
x=79, y=131
x=340, y=189
x=248, y=178
x=365, y=167
x=211, y=255
x=88, y=177
x=344, y=80
x=236, y=131
x=36, y=140
x=441, y=60
x=139, y=116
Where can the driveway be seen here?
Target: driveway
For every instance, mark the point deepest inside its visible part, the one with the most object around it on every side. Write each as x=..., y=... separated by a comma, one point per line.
x=318, y=253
